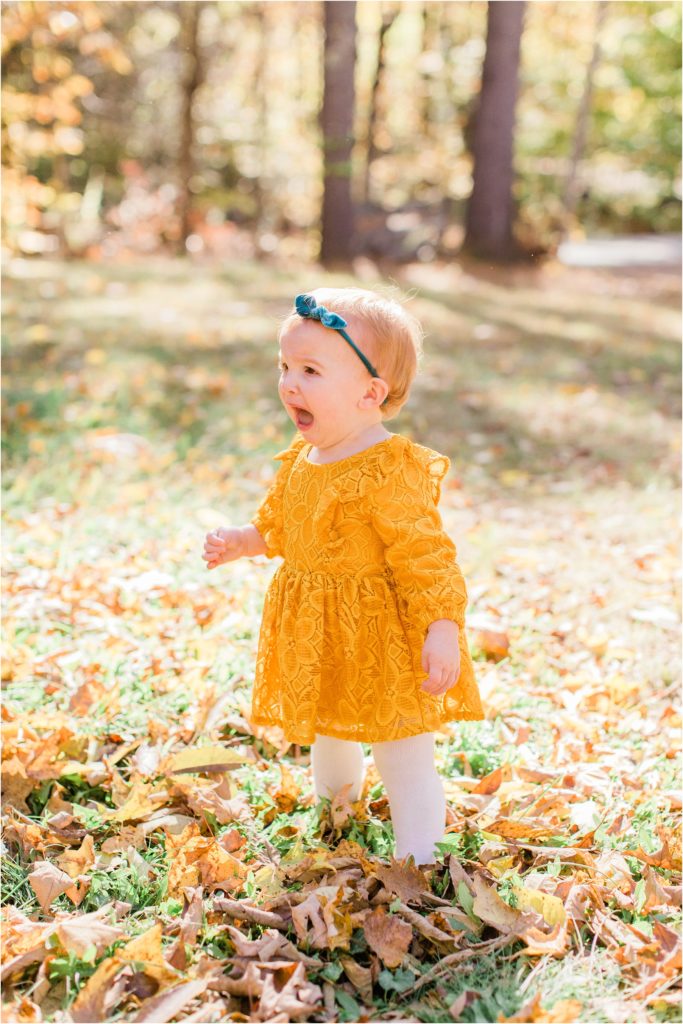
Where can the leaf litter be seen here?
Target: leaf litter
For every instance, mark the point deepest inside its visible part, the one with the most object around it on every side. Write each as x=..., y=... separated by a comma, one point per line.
x=164, y=859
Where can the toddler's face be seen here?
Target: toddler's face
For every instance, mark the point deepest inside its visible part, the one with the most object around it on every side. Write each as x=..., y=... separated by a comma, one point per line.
x=323, y=384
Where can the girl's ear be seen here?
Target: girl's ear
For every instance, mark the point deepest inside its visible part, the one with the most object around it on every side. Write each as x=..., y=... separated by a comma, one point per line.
x=375, y=393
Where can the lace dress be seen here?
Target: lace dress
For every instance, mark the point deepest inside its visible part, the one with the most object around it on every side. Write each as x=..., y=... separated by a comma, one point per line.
x=367, y=567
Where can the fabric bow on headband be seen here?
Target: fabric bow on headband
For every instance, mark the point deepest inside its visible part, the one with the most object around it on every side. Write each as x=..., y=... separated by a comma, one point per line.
x=308, y=308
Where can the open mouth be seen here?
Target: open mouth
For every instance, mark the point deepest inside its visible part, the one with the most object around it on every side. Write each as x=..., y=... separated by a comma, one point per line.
x=304, y=418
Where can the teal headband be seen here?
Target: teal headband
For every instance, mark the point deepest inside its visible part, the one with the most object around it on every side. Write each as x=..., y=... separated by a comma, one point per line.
x=307, y=307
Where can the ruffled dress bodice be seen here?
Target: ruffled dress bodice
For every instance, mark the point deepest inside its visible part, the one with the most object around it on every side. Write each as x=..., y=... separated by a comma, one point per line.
x=367, y=567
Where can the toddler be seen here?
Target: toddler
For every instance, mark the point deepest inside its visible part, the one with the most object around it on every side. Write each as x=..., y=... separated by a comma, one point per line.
x=362, y=637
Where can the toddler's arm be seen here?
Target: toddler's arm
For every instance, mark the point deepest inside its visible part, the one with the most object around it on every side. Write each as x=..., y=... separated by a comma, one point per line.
x=230, y=543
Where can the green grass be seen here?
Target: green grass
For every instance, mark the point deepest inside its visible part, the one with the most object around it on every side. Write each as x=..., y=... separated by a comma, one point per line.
x=555, y=397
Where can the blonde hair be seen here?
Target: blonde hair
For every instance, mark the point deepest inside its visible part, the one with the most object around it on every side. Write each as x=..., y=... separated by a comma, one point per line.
x=392, y=337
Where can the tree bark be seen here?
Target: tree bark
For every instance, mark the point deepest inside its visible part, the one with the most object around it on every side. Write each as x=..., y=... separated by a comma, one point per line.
x=490, y=210
x=191, y=78
x=572, y=184
x=388, y=17
x=336, y=122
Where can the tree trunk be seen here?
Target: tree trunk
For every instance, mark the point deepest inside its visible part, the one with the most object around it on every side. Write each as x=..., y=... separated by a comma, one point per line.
x=190, y=79
x=489, y=219
x=260, y=95
x=336, y=121
x=388, y=18
x=572, y=184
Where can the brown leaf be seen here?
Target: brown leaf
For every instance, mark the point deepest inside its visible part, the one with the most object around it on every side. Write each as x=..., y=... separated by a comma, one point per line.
x=321, y=921
x=203, y=795
x=202, y=859
x=160, y=1009
x=89, y=1004
x=388, y=936
x=78, y=932
x=271, y=945
x=341, y=808
x=145, y=952
x=76, y=862
x=491, y=908
x=404, y=880
x=493, y=644
x=17, y=963
x=458, y=874
x=287, y=994
x=540, y=943
x=20, y=933
x=668, y=857
x=288, y=793
x=190, y=926
x=360, y=977
x=48, y=882
x=510, y=828
x=129, y=836
x=491, y=783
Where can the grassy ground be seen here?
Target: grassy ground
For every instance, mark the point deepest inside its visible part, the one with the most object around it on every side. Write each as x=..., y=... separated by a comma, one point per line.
x=140, y=410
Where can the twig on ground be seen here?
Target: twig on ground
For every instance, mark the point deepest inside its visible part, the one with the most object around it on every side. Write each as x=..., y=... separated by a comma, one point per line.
x=247, y=912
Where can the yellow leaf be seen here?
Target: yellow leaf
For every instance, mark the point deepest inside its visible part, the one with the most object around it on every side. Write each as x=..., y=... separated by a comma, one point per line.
x=77, y=862
x=202, y=759
x=549, y=907
x=142, y=801
x=499, y=865
x=146, y=952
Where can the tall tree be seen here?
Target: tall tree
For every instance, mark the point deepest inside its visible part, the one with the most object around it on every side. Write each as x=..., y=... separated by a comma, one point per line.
x=490, y=210
x=389, y=15
x=191, y=78
x=336, y=120
x=573, y=184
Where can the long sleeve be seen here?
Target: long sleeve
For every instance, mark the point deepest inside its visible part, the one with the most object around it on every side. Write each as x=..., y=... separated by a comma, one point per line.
x=420, y=554
x=268, y=518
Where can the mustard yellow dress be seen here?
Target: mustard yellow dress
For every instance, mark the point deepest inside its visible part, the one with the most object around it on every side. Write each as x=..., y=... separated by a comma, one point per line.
x=367, y=567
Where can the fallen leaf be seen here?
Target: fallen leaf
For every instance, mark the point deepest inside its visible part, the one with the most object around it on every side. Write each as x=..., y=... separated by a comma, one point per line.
x=160, y=1009
x=549, y=907
x=359, y=976
x=144, y=954
x=404, y=880
x=202, y=759
x=79, y=932
x=388, y=936
x=76, y=862
x=48, y=882
x=565, y=1011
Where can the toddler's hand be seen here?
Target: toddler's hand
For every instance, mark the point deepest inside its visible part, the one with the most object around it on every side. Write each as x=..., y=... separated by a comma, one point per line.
x=441, y=657
x=223, y=545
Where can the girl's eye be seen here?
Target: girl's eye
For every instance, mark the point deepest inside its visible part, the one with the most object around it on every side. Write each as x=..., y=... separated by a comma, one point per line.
x=311, y=369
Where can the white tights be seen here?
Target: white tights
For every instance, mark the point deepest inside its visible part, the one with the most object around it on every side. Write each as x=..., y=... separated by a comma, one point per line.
x=412, y=783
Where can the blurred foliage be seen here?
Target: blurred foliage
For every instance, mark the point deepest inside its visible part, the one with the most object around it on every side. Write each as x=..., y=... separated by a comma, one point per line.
x=90, y=123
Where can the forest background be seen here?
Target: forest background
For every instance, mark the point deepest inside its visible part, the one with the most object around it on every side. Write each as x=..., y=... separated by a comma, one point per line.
x=173, y=175
x=195, y=127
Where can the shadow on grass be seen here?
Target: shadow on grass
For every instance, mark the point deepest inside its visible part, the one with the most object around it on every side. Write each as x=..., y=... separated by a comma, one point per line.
x=514, y=401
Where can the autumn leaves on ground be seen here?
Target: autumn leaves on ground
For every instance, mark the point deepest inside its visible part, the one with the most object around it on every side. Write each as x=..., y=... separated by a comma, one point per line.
x=163, y=858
